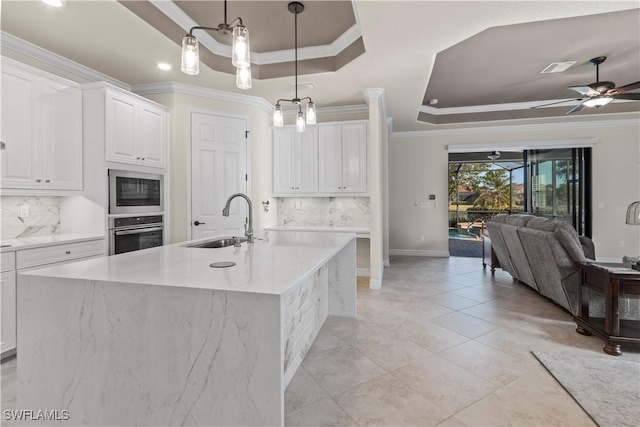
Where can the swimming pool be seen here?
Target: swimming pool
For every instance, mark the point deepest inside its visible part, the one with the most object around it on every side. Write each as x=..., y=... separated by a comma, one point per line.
x=454, y=234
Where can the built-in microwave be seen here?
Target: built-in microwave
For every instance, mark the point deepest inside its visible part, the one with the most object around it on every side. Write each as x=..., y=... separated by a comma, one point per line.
x=135, y=192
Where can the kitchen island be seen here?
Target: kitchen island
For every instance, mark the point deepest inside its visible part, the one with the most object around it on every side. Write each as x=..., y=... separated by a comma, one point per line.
x=158, y=337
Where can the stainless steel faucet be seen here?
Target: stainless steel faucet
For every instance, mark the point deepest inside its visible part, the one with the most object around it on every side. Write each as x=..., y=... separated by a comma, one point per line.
x=248, y=228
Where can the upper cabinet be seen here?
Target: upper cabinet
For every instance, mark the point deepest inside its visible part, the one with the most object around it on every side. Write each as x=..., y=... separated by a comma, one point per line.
x=295, y=161
x=135, y=130
x=343, y=158
x=41, y=129
x=326, y=160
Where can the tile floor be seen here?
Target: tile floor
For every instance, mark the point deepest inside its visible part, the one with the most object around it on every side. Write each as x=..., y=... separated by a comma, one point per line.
x=443, y=343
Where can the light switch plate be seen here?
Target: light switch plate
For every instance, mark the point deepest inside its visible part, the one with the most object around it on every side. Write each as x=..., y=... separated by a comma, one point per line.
x=339, y=205
x=24, y=211
x=298, y=204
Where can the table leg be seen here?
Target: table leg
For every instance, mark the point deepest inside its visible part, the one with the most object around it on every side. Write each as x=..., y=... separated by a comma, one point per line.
x=612, y=349
x=612, y=312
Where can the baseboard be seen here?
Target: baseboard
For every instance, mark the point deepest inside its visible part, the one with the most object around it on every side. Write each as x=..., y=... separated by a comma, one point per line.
x=386, y=262
x=375, y=284
x=365, y=272
x=419, y=252
x=608, y=259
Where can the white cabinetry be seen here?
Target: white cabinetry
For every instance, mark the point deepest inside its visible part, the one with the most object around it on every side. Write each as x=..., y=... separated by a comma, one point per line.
x=42, y=130
x=8, y=303
x=135, y=129
x=29, y=258
x=295, y=161
x=343, y=158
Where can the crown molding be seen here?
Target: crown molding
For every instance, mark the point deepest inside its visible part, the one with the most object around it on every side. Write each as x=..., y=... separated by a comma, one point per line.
x=8, y=41
x=325, y=111
x=519, y=128
x=379, y=93
x=202, y=92
x=184, y=21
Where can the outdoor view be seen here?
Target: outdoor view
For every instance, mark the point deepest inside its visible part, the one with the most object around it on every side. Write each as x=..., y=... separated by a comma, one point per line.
x=477, y=191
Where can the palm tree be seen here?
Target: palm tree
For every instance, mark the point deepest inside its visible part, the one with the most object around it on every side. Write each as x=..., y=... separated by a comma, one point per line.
x=495, y=195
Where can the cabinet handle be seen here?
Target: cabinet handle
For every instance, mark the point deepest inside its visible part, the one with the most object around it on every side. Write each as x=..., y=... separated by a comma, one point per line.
x=38, y=180
x=68, y=252
x=297, y=188
x=293, y=188
x=137, y=158
x=48, y=180
x=143, y=158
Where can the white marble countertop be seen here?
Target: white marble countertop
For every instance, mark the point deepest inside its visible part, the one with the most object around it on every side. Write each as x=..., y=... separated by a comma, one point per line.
x=31, y=242
x=272, y=265
x=360, y=231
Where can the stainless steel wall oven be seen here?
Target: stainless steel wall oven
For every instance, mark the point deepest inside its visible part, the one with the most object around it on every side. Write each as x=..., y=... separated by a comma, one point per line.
x=133, y=233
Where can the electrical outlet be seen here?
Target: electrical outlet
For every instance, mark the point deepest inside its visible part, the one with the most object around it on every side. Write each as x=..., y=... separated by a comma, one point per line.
x=24, y=211
x=298, y=205
x=422, y=238
x=621, y=243
x=339, y=205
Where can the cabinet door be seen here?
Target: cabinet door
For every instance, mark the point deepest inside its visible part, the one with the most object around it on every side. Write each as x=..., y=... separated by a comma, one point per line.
x=20, y=129
x=330, y=159
x=62, y=137
x=153, y=135
x=120, y=129
x=354, y=158
x=285, y=145
x=307, y=162
x=8, y=313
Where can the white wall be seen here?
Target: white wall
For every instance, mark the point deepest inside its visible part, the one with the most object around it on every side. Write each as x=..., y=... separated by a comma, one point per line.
x=261, y=155
x=418, y=167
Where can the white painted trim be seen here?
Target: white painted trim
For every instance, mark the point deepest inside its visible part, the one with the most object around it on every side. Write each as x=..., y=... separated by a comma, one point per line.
x=523, y=145
x=609, y=259
x=419, y=252
x=325, y=111
x=519, y=128
x=503, y=107
x=386, y=262
x=364, y=272
x=177, y=15
x=375, y=284
x=8, y=41
x=371, y=93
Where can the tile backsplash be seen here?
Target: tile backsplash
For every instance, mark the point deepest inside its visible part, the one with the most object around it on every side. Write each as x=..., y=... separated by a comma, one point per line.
x=325, y=211
x=43, y=219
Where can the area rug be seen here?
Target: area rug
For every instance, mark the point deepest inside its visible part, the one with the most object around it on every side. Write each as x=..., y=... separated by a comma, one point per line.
x=607, y=388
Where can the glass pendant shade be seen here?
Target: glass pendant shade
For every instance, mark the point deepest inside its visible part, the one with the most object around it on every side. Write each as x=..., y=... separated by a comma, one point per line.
x=243, y=78
x=633, y=213
x=311, y=113
x=190, y=56
x=278, y=116
x=241, y=51
x=300, y=123
x=598, y=101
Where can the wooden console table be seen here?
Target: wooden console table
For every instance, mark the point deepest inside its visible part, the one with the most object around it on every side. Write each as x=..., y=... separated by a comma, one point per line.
x=613, y=281
x=488, y=255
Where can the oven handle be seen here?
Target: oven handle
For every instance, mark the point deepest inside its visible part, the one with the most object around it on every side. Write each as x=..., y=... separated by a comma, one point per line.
x=137, y=231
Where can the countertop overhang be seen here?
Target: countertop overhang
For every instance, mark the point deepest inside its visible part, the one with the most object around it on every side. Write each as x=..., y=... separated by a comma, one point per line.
x=273, y=264
x=31, y=242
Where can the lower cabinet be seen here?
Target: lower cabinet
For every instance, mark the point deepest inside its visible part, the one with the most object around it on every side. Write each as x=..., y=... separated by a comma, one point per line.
x=28, y=259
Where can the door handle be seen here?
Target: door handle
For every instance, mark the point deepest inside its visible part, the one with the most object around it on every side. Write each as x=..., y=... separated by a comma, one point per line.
x=196, y=223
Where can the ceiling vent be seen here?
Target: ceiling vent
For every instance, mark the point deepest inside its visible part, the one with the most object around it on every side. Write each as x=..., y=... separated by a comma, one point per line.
x=557, y=67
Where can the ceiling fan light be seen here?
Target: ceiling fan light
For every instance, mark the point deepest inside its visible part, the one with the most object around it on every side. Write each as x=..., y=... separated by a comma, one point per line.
x=494, y=155
x=190, y=56
x=311, y=113
x=241, y=50
x=243, y=78
x=300, y=122
x=597, y=101
x=278, y=116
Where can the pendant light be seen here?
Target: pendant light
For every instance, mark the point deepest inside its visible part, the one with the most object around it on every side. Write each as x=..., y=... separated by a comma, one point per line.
x=301, y=119
x=240, y=50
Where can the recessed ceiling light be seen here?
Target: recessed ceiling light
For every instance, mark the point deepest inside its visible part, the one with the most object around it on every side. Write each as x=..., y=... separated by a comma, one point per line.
x=557, y=67
x=433, y=101
x=54, y=3
x=164, y=66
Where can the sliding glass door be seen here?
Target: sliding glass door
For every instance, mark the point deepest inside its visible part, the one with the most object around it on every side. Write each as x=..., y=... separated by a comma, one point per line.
x=559, y=185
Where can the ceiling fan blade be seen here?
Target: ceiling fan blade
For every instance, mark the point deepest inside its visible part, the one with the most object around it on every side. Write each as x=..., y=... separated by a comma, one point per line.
x=554, y=103
x=625, y=88
x=576, y=109
x=631, y=96
x=584, y=90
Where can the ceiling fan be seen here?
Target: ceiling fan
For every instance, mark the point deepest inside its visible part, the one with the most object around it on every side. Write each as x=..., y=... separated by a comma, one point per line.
x=599, y=93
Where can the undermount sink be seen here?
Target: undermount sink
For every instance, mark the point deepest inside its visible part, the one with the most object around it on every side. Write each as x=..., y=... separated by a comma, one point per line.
x=217, y=243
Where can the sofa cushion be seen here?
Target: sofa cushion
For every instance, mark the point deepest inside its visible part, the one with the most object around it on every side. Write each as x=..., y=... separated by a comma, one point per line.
x=573, y=248
x=499, y=218
x=568, y=228
x=540, y=223
x=519, y=220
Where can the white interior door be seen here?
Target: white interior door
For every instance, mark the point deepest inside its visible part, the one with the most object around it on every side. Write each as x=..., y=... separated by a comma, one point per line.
x=218, y=170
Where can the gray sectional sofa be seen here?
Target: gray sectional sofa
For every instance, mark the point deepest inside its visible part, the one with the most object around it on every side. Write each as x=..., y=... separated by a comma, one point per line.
x=542, y=253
